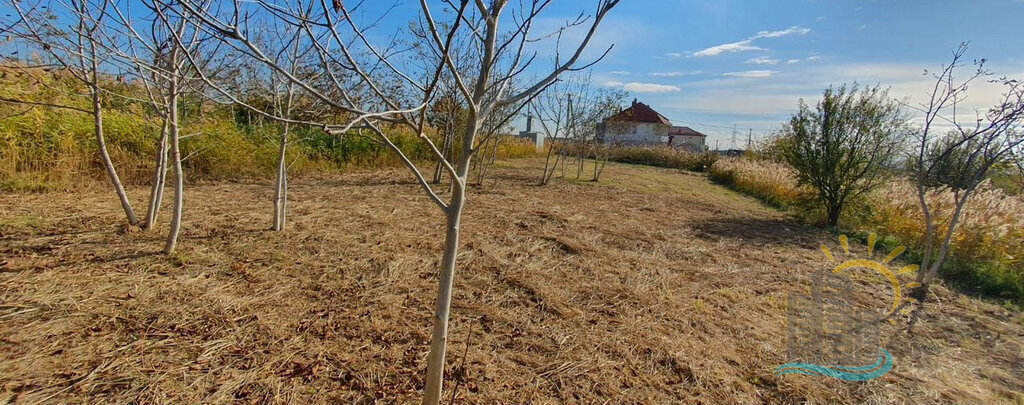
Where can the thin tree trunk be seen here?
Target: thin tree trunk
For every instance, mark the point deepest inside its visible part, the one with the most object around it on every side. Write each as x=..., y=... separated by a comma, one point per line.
x=944, y=248
x=163, y=181
x=599, y=161
x=558, y=159
x=833, y=214
x=97, y=115
x=445, y=145
x=582, y=154
x=281, y=189
x=439, y=337
x=453, y=215
x=284, y=199
x=179, y=185
x=159, y=174
x=929, y=235
x=547, y=161
x=494, y=150
x=561, y=154
x=490, y=152
x=569, y=130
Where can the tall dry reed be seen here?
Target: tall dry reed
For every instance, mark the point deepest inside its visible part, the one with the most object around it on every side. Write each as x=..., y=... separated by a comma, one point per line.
x=987, y=245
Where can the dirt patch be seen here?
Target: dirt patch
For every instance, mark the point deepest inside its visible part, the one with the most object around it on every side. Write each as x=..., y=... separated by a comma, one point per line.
x=649, y=287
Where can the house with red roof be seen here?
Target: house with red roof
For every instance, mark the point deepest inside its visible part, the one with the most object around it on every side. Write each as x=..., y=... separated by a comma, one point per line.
x=640, y=125
x=687, y=138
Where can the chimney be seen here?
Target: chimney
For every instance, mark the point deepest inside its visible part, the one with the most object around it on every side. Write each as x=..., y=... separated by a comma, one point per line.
x=634, y=101
x=529, y=123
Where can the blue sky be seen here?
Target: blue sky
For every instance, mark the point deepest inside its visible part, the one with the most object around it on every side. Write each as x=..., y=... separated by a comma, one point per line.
x=714, y=64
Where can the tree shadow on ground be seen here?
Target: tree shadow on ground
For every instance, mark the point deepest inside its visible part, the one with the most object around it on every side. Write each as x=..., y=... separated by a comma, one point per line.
x=759, y=231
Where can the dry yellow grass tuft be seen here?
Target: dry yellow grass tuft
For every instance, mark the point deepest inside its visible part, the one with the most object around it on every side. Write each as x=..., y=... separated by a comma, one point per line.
x=651, y=287
x=990, y=234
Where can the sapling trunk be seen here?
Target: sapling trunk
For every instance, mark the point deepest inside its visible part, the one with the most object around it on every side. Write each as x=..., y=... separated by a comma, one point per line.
x=599, y=160
x=561, y=155
x=494, y=150
x=445, y=146
x=453, y=217
x=582, y=155
x=101, y=143
x=439, y=335
x=159, y=174
x=284, y=200
x=281, y=190
x=926, y=276
x=179, y=184
x=554, y=166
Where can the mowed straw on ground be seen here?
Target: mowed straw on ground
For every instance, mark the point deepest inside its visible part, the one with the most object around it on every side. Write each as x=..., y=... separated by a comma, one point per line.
x=652, y=286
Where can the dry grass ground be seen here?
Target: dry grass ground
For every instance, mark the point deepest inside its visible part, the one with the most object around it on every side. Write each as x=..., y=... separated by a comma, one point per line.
x=653, y=286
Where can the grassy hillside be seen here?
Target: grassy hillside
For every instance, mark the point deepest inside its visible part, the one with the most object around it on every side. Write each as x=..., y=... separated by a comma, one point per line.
x=44, y=148
x=654, y=286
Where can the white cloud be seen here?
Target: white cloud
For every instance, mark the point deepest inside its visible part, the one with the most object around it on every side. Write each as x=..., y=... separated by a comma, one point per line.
x=775, y=34
x=751, y=73
x=748, y=44
x=861, y=27
x=763, y=60
x=741, y=46
x=674, y=55
x=675, y=74
x=619, y=72
x=637, y=87
x=727, y=99
x=811, y=58
x=649, y=88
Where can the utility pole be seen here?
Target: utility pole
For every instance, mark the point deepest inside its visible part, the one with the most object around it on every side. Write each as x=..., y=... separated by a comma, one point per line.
x=750, y=136
x=733, y=143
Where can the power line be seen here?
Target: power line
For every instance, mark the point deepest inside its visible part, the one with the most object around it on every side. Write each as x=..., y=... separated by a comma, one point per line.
x=767, y=131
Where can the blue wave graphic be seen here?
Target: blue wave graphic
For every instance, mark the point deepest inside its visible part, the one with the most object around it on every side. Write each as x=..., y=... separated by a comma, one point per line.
x=862, y=373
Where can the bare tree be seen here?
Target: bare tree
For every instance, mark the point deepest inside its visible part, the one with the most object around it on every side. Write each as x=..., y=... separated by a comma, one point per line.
x=70, y=36
x=607, y=104
x=958, y=154
x=576, y=111
x=180, y=67
x=340, y=43
x=553, y=143
x=289, y=57
x=591, y=109
x=147, y=57
x=555, y=105
x=493, y=131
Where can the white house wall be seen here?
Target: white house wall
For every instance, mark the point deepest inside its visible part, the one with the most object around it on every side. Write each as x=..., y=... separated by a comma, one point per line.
x=645, y=134
x=696, y=142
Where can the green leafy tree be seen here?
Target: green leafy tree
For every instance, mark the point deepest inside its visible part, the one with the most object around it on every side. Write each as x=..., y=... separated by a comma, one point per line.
x=842, y=147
